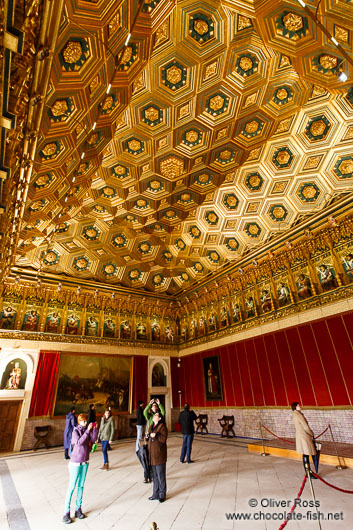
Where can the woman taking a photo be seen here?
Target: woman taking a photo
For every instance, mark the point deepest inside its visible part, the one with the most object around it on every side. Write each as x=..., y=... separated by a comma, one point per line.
x=106, y=435
x=157, y=450
x=82, y=437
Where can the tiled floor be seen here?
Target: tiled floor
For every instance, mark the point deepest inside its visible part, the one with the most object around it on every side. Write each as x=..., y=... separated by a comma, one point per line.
x=221, y=481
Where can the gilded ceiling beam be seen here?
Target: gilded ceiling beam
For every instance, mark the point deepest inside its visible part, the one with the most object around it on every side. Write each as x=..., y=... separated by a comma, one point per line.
x=40, y=29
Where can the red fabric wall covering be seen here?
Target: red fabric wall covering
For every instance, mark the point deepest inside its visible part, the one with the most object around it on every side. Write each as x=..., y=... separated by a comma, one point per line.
x=255, y=377
x=311, y=363
x=316, y=367
x=332, y=368
x=343, y=346
x=238, y=395
x=275, y=369
x=303, y=375
x=140, y=380
x=44, y=388
x=245, y=376
x=265, y=373
x=227, y=373
x=174, y=370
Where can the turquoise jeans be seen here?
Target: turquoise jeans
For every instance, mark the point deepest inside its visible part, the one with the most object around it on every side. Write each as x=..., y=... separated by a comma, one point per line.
x=77, y=476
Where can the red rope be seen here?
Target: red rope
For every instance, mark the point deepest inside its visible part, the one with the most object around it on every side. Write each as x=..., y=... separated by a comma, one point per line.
x=323, y=432
x=283, y=439
x=331, y=485
x=294, y=505
x=290, y=441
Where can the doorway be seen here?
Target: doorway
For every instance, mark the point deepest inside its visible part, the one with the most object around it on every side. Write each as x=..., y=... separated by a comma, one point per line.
x=9, y=418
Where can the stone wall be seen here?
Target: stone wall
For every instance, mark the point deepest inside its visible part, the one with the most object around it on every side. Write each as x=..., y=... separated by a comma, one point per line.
x=123, y=429
x=279, y=421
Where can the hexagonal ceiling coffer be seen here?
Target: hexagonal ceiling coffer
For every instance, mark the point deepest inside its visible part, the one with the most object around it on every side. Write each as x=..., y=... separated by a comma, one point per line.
x=43, y=181
x=74, y=54
x=292, y=25
x=171, y=167
x=201, y=27
x=174, y=75
x=50, y=257
x=151, y=115
x=344, y=167
x=308, y=192
x=61, y=109
x=51, y=150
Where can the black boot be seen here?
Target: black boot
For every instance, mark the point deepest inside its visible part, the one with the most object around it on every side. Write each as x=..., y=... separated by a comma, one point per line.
x=306, y=462
x=316, y=459
x=79, y=514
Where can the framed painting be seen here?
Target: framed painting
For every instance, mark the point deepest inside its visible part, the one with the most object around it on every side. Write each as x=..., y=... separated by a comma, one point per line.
x=212, y=378
x=105, y=380
x=8, y=315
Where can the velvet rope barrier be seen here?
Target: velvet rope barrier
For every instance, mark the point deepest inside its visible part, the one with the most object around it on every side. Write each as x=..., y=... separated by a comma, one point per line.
x=323, y=432
x=331, y=485
x=294, y=505
x=283, y=439
x=291, y=441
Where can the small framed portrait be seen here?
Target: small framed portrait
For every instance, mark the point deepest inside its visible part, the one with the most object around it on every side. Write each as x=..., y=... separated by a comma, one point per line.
x=212, y=378
x=14, y=376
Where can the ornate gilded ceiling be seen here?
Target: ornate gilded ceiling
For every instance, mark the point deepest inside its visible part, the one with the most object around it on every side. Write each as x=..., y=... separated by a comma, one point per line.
x=216, y=126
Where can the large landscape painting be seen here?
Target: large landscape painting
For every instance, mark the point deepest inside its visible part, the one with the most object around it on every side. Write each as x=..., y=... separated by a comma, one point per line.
x=105, y=380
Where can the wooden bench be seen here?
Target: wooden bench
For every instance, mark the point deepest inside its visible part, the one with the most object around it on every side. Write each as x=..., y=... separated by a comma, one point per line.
x=42, y=433
x=201, y=422
x=227, y=424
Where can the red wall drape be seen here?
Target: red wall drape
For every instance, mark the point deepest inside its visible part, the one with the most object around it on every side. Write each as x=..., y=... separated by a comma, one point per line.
x=45, y=384
x=140, y=380
x=311, y=363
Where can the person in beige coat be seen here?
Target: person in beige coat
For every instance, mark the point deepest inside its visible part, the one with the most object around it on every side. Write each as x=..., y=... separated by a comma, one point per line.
x=304, y=436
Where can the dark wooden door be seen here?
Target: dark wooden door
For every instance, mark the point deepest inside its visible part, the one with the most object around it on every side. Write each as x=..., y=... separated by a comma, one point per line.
x=9, y=417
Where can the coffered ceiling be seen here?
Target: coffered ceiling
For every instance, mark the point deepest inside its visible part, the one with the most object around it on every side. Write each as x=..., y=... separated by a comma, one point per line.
x=218, y=125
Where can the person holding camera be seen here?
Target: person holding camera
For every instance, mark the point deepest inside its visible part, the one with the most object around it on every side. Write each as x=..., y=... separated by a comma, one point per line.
x=105, y=435
x=82, y=437
x=157, y=449
x=154, y=406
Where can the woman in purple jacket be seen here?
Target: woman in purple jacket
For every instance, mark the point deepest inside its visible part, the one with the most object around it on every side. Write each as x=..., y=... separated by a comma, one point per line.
x=82, y=436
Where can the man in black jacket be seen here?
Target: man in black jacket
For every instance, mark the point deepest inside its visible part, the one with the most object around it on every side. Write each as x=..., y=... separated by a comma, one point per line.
x=186, y=420
x=140, y=423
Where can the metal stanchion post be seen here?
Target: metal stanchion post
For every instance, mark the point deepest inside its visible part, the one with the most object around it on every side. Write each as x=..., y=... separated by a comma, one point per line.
x=154, y=526
x=263, y=443
x=308, y=475
x=340, y=466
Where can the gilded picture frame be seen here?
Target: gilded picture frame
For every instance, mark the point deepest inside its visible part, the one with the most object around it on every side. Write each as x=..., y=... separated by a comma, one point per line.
x=104, y=380
x=212, y=378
